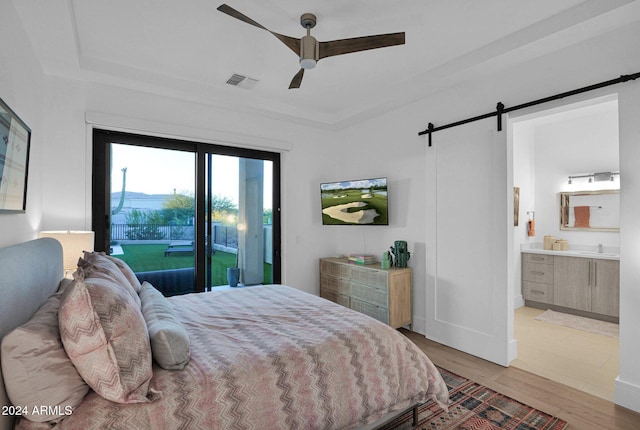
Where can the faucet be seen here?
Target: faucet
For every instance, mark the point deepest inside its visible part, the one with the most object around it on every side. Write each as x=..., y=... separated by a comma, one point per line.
x=600, y=250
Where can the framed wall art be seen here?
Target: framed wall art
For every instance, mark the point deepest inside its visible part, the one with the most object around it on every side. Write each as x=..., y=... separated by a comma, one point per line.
x=15, y=139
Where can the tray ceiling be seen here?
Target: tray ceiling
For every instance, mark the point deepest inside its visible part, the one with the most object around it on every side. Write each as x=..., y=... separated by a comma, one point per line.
x=188, y=49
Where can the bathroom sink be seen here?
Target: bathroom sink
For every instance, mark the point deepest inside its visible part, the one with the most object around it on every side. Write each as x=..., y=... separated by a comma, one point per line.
x=596, y=253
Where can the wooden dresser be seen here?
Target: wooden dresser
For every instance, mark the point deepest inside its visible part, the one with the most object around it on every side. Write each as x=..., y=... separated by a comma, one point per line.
x=384, y=294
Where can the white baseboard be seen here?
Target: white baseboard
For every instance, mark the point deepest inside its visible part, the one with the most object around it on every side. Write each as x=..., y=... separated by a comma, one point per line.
x=513, y=350
x=518, y=301
x=419, y=325
x=627, y=395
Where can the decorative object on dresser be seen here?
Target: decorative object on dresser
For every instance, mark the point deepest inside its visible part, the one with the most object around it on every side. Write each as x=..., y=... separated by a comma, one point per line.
x=386, y=260
x=362, y=259
x=400, y=253
x=384, y=294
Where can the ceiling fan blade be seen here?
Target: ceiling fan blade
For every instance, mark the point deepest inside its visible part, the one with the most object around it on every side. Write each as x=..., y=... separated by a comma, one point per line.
x=346, y=46
x=237, y=15
x=291, y=42
x=297, y=80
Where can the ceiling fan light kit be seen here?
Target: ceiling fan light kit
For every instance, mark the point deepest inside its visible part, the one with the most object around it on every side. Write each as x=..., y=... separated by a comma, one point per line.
x=308, y=48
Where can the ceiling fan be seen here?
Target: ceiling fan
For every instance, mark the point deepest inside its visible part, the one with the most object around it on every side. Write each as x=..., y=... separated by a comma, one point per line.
x=311, y=51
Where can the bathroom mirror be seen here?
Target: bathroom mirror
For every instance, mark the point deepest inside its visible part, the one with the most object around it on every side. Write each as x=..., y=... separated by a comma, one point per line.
x=590, y=210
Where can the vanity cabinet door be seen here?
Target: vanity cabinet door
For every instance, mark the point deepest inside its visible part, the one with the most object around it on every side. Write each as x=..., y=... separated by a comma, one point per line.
x=572, y=282
x=605, y=289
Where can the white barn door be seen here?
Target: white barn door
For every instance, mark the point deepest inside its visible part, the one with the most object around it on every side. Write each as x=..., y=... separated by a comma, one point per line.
x=469, y=301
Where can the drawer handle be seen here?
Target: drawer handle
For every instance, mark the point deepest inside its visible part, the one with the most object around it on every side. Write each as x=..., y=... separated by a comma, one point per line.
x=537, y=273
x=537, y=292
x=537, y=258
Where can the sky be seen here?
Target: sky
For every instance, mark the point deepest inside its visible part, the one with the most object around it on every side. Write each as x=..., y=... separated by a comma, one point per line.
x=162, y=171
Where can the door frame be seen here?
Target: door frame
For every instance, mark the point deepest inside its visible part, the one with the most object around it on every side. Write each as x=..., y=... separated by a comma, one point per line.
x=101, y=190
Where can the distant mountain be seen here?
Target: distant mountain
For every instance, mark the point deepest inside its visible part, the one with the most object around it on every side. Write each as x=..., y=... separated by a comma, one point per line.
x=136, y=195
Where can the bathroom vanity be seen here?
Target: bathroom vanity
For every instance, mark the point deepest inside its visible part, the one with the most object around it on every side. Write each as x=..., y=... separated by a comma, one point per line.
x=581, y=282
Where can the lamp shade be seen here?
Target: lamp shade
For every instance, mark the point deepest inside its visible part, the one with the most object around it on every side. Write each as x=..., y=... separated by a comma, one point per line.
x=74, y=243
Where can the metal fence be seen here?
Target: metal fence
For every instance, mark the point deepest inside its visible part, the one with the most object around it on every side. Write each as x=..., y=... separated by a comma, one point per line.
x=225, y=237
x=151, y=232
x=222, y=235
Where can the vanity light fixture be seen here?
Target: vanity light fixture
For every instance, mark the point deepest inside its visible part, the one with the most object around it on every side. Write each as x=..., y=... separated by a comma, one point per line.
x=596, y=177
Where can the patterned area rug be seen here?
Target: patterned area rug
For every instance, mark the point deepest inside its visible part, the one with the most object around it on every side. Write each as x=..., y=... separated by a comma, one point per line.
x=475, y=407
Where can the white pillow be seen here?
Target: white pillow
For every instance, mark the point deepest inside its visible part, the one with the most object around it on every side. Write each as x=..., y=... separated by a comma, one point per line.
x=169, y=339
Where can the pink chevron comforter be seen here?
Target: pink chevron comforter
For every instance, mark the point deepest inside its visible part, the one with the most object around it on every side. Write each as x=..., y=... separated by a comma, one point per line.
x=273, y=357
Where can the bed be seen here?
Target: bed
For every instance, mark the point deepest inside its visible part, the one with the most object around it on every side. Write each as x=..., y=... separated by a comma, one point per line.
x=260, y=357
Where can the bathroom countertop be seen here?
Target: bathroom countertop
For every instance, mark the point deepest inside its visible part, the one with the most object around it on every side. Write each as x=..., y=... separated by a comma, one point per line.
x=583, y=251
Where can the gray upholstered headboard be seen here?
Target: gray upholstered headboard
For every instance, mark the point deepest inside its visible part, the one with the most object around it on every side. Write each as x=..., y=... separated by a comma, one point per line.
x=29, y=273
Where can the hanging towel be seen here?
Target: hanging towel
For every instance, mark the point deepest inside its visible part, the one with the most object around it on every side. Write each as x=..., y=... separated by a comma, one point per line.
x=582, y=216
x=531, y=228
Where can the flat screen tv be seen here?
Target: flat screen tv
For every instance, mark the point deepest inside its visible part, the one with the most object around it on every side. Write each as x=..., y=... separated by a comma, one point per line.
x=356, y=202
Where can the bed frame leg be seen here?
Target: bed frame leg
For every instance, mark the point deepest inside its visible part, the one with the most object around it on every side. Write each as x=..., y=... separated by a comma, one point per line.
x=415, y=416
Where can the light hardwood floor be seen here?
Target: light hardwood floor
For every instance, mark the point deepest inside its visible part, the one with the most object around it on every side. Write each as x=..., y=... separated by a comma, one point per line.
x=581, y=410
x=579, y=359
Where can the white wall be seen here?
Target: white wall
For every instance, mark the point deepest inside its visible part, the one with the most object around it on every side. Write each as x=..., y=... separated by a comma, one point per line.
x=21, y=87
x=628, y=382
x=585, y=144
x=386, y=147
x=64, y=140
x=524, y=162
x=562, y=71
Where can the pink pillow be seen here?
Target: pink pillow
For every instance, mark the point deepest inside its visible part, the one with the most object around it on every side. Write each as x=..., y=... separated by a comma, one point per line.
x=96, y=265
x=106, y=338
x=36, y=369
x=127, y=272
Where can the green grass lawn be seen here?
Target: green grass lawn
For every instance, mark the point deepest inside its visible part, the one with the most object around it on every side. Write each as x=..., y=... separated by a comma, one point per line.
x=147, y=258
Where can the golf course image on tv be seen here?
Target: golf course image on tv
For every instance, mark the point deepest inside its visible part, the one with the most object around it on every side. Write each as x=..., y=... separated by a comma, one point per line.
x=357, y=202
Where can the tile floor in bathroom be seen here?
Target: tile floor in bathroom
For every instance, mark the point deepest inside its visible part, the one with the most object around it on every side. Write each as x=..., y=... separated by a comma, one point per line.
x=583, y=360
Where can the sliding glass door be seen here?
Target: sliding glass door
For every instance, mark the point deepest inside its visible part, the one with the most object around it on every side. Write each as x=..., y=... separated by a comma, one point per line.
x=180, y=214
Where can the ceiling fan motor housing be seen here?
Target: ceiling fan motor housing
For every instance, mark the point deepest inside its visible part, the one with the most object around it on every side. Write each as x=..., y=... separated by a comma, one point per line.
x=309, y=52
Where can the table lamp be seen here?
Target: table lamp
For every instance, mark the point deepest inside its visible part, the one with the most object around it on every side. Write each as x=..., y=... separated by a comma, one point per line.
x=74, y=243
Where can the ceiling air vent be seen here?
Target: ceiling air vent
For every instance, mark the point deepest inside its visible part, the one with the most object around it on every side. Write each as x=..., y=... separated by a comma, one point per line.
x=242, y=81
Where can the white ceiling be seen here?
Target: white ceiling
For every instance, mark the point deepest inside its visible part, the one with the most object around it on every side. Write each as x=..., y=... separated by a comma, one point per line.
x=188, y=49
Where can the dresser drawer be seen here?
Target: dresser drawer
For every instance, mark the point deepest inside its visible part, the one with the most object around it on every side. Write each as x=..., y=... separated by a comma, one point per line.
x=537, y=258
x=534, y=272
x=374, y=278
x=378, y=312
x=374, y=295
x=337, y=285
x=340, y=299
x=336, y=269
x=536, y=292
